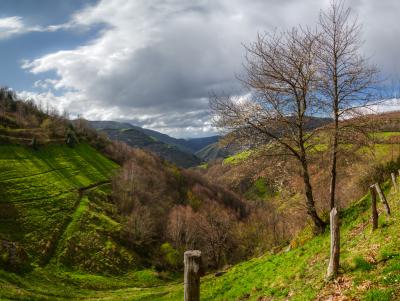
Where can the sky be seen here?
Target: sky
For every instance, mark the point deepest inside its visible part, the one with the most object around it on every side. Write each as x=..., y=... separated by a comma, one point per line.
x=154, y=63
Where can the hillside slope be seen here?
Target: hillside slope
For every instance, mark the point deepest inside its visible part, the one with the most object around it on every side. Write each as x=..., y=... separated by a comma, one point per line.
x=214, y=151
x=41, y=193
x=370, y=270
x=63, y=235
x=136, y=138
x=190, y=145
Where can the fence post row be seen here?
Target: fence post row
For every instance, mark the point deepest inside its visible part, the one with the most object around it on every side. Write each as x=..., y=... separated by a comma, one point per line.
x=192, y=262
x=382, y=198
x=393, y=176
x=335, y=245
x=374, y=212
x=192, y=259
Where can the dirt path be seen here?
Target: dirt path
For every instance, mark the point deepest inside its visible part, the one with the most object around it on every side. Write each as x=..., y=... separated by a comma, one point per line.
x=56, y=240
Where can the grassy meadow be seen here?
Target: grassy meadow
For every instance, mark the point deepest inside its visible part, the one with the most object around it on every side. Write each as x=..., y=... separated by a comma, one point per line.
x=54, y=203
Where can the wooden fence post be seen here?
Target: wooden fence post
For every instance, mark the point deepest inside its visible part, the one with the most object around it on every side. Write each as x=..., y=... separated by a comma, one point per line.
x=394, y=181
x=374, y=214
x=192, y=261
x=333, y=266
x=382, y=198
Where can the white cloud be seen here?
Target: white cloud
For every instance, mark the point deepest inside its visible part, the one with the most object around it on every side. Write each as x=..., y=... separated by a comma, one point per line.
x=158, y=59
x=387, y=105
x=12, y=26
x=15, y=25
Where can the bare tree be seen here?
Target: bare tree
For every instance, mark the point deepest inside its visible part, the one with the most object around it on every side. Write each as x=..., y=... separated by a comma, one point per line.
x=183, y=228
x=281, y=75
x=216, y=226
x=346, y=85
x=346, y=79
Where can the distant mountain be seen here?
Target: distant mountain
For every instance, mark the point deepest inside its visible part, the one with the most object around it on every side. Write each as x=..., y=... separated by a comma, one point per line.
x=214, y=151
x=190, y=145
x=101, y=125
x=196, y=144
x=183, y=152
x=136, y=138
x=179, y=143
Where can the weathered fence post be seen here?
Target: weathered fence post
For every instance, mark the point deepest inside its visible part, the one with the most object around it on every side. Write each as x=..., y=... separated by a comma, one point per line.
x=374, y=214
x=394, y=181
x=192, y=261
x=382, y=198
x=333, y=266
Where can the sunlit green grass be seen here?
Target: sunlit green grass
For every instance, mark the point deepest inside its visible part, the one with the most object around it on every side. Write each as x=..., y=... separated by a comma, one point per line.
x=39, y=191
x=370, y=261
x=237, y=158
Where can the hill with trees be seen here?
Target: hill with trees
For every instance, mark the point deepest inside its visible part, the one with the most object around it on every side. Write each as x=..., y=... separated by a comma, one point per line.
x=99, y=216
x=75, y=203
x=182, y=152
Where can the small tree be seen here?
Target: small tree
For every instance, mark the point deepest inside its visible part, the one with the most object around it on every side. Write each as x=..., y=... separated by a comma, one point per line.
x=72, y=139
x=346, y=85
x=346, y=79
x=281, y=75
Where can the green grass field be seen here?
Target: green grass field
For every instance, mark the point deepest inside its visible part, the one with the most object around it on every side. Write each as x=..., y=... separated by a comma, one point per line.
x=70, y=234
x=39, y=191
x=370, y=270
x=237, y=158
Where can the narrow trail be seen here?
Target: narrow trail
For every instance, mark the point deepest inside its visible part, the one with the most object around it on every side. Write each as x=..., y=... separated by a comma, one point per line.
x=79, y=190
x=37, y=174
x=91, y=186
x=54, y=245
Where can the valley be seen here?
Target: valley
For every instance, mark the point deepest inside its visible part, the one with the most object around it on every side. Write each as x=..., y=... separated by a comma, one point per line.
x=184, y=153
x=172, y=150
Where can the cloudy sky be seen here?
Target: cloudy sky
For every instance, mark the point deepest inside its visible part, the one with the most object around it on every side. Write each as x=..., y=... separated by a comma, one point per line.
x=154, y=62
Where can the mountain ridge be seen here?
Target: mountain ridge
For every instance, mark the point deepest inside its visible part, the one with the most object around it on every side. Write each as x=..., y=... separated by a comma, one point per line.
x=179, y=151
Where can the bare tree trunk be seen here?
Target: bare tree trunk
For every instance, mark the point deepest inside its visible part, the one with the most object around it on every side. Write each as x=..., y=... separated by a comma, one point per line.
x=333, y=162
x=319, y=225
x=333, y=266
x=394, y=181
x=345, y=74
x=192, y=261
x=382, y=198
x=374, y=213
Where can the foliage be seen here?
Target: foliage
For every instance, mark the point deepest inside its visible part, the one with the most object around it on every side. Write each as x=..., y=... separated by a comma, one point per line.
x=162, y=203
x=379, y=172
x=170, y=255
x=237, y=158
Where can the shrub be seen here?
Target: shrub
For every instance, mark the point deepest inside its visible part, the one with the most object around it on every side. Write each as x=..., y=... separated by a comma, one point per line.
x=171, y=256
x=378, y=173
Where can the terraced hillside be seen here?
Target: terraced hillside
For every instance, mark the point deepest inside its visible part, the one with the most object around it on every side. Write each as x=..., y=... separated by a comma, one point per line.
x=40, y=193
